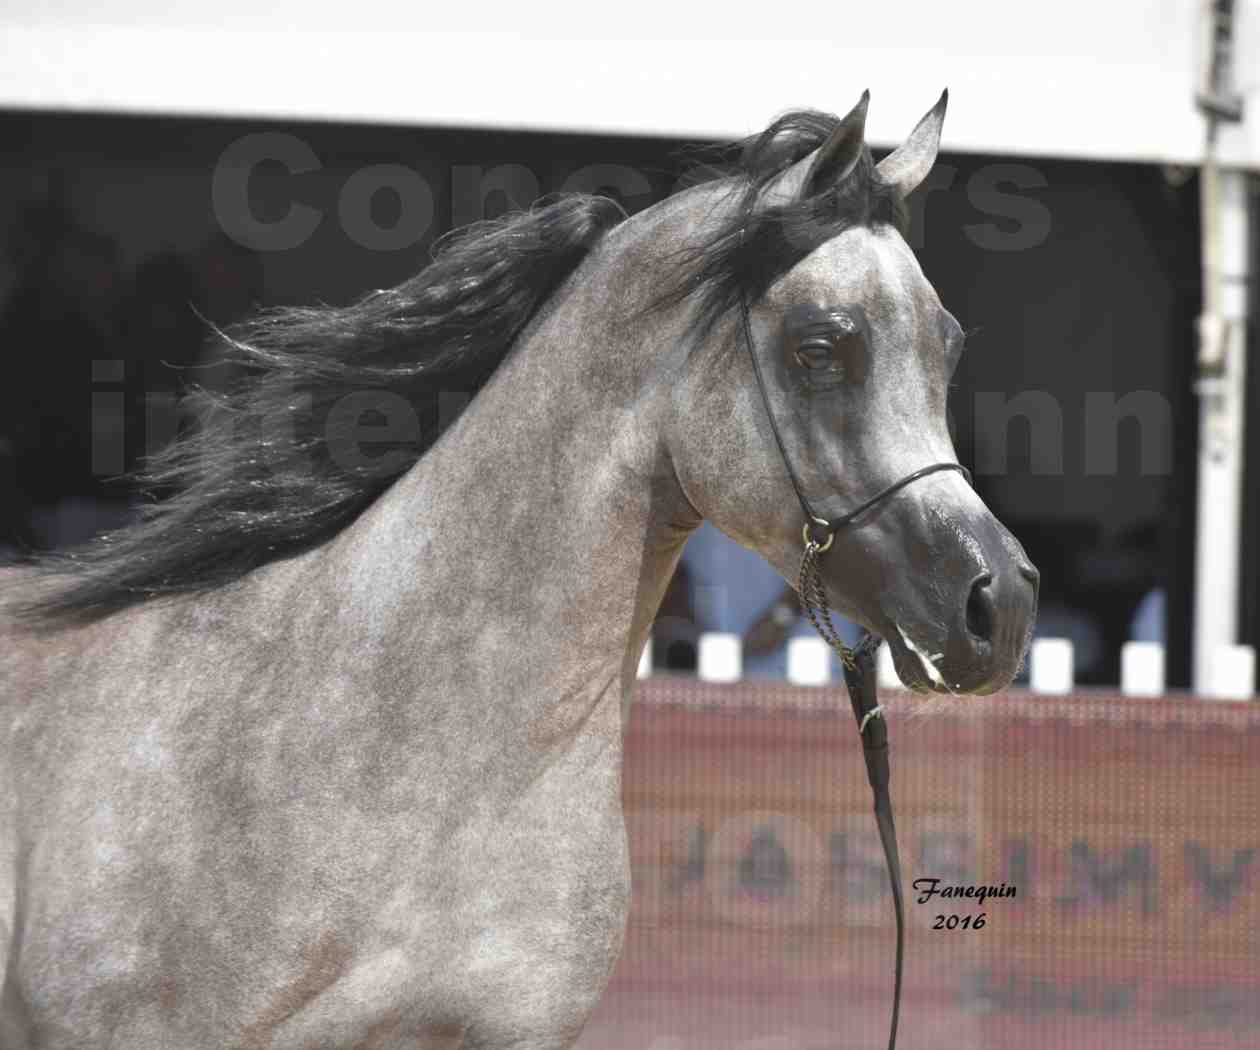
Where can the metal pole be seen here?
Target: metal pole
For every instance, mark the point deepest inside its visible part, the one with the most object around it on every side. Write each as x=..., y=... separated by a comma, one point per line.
x=1221, y=388
x=1221, y=384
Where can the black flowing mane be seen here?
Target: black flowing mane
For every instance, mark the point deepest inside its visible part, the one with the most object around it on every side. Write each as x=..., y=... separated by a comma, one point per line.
x=260, y=479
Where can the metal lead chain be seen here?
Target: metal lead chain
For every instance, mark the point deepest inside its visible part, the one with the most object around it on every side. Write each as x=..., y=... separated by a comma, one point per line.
x=813, y=597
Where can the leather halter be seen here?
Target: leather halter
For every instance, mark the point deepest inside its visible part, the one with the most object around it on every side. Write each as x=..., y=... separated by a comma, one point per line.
x=813, y=519
x=859, y=662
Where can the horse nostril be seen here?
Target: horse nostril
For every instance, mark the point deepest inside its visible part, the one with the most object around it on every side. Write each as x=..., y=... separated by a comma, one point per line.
x=1029, y=573
x=980, y=608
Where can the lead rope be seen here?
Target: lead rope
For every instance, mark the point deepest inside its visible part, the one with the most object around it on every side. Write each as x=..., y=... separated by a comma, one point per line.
x=859, y=676
x=859, y=663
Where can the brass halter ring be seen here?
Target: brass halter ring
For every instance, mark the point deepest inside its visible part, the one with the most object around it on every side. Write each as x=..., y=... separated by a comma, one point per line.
x=811, y=542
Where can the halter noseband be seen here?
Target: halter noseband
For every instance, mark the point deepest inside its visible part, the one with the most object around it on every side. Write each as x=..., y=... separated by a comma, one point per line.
x=858, y=662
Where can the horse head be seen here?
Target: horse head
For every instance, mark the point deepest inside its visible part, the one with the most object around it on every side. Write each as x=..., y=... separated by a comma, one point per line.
x=817, y=379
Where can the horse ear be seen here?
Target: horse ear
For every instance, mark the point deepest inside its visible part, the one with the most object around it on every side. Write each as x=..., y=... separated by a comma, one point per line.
x=908, y=165
x=831, y=162
x=838, y=156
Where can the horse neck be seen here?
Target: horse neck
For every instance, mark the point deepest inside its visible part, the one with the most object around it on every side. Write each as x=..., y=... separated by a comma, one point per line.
x=539, y=534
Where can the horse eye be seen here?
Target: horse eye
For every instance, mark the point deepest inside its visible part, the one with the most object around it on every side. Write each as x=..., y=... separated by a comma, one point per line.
x=815, y=353
x=821, y=352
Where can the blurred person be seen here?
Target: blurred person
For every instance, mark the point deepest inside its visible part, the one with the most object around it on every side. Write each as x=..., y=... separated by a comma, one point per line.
x=230, y=279
x=674, y=631
x=158, y=334
x=230, y=287
x=16, y=536
x=735, y=591
x=1150, y=617
x=1112, y=577
x=54, y=326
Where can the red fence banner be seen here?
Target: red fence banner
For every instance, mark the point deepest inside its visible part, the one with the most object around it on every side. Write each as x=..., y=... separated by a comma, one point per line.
x=1079, y=871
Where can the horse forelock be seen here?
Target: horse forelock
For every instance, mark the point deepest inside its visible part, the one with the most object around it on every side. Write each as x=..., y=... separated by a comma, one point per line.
x=758, y=234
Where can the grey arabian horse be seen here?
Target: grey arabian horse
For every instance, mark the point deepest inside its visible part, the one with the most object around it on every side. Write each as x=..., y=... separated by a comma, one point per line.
x=326, y=752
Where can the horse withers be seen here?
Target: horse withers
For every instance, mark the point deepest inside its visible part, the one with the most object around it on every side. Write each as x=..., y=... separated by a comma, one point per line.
x=326, y=751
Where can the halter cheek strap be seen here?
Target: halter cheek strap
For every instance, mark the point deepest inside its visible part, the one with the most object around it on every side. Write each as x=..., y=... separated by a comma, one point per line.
x=816, y=522
x=859, y=662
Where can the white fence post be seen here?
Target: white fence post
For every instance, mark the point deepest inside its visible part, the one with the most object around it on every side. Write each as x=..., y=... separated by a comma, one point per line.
x=719, y=657
x=1052, y=667
x=808, y=661
x=1142, y=669
x=1232, y=673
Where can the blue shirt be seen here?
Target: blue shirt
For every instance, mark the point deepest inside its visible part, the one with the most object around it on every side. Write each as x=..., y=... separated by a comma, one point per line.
x=731, y=588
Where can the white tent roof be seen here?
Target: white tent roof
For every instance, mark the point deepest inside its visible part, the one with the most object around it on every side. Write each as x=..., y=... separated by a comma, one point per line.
x=1078, y=78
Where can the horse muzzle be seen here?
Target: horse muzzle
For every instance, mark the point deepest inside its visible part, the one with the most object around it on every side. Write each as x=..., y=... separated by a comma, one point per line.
x=976, y=640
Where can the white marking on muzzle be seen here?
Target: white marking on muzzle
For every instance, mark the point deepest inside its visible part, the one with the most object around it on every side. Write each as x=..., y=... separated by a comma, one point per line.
x=929, y=667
